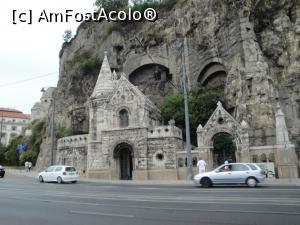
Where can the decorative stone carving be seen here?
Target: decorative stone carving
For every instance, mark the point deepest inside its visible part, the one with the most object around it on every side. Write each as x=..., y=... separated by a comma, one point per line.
x=222, y=122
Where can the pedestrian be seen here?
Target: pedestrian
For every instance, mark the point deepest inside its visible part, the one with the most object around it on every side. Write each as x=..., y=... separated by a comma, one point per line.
x=26, y=166
x=201, y=164
x=226, y=168
x=29, y=165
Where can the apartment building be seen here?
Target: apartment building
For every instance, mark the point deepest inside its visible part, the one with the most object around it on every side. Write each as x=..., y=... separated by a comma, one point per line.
x=12, y=123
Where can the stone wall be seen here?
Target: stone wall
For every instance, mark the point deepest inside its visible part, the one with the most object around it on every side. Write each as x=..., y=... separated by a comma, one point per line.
x=72, y=151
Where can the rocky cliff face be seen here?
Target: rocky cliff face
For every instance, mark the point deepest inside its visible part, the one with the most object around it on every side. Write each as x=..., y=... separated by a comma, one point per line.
x=250, y=48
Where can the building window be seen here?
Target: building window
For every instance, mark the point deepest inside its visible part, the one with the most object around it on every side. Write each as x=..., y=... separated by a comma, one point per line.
x=159, y=156
x=195, y=161
x=263, y=158
x=157, y=73
x=169, y=77
x=14, y=128
x=180, y=162
x=123, y=115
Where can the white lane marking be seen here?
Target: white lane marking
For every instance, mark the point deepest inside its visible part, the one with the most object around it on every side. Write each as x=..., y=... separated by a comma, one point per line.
x=148, y=188
x=161, y=208
x=101, y=214
x=155, y=201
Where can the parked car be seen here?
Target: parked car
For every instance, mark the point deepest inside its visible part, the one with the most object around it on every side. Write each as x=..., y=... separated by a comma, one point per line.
x=2, y=171
x=232, y=173
x=59, y=174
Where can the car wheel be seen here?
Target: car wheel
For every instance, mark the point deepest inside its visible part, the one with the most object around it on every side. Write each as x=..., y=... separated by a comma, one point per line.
x=59, y=180
x=74, y=181
x=206, y=182
x=251, y=182
x=41, y=180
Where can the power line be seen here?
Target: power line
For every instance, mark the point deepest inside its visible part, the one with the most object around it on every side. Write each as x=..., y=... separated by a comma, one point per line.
x=22, y=81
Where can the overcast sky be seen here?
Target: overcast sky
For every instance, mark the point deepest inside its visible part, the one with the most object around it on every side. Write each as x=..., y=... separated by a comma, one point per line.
x=29, y=51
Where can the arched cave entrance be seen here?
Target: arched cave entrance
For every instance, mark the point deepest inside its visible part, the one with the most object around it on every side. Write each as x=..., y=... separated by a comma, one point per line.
x=123, y=154
x=224, y=149
x=153, y=80
x=213, y=76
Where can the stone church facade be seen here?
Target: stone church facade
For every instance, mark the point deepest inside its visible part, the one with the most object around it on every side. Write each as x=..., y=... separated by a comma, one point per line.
x=127, y=140
x=126, y=137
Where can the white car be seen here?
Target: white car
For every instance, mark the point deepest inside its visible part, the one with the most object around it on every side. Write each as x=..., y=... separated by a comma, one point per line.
x=59, y=174
x=232, y=173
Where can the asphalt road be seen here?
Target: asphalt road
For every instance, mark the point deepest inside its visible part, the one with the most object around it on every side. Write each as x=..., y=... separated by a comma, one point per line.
x=24, y=201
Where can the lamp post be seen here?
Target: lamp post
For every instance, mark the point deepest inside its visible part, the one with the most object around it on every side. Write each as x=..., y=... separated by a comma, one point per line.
x=186, y=116
x=52, y=129
x=1, y=126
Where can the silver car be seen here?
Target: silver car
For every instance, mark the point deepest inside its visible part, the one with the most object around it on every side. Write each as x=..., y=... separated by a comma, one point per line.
x=232, y=173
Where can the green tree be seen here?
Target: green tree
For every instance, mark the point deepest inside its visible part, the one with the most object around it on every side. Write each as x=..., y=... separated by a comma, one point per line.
x=28, y=155
x=2, y=156
x=67, y=36
x=38, y=129
x=201, y=106
x=11, y=154
x=110, y=5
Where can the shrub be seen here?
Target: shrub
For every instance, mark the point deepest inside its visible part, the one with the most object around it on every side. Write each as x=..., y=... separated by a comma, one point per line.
x=63, y=132
x=109, y=5
x=88, y=63
x=67, y=36
x=28, y=155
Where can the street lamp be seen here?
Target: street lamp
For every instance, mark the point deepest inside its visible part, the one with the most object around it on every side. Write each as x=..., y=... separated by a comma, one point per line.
x=1, y=126
x=186, y=116
x=52, y=126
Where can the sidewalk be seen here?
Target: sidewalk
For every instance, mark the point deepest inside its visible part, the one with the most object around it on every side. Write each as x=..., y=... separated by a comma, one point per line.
x=268, y=182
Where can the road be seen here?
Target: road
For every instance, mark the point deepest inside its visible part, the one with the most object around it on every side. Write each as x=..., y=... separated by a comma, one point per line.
x=25, y=201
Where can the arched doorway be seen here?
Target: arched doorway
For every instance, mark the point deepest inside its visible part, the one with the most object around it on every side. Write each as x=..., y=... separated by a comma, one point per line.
x=221, y=122
x=224, y=149
x=123, y=154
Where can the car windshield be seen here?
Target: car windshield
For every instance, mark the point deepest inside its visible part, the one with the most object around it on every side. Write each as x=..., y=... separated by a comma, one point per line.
x=70, y=169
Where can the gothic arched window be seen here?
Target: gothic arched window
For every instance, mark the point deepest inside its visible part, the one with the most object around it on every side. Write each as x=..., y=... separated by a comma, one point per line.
x=123, y=115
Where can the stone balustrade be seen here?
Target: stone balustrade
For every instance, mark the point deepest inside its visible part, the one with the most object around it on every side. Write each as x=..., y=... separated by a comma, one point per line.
x=73, y=141
x=164, y=131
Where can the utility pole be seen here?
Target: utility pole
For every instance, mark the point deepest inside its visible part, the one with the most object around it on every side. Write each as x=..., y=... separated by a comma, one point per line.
x=187, y=119
x=52, y=131
x=1, y=128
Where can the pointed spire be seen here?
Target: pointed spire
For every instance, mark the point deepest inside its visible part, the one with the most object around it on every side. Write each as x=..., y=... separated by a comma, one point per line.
x=104, y=84
x=244, y=124
x=114, y=75
x=200, y=128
